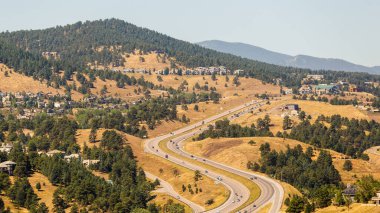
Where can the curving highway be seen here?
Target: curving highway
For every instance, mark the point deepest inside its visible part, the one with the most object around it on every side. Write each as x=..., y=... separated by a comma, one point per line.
x=271, y=191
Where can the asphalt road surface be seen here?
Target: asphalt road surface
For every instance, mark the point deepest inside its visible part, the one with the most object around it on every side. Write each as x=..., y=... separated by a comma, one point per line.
x=271, y=191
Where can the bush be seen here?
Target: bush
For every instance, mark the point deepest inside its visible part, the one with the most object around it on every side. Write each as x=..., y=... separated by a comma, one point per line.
x=347, y=166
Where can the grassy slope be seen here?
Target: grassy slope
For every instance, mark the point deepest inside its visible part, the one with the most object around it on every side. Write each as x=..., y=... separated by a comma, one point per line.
x=20, y=83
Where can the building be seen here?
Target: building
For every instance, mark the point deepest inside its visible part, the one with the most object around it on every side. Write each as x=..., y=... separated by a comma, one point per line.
x=377, y=198
x=55, y=152
x=315, y=77
x=305, y=89
x=350, y=192
x=288, y=91
x=292, y=107
x=326, y=89
x=88, y=163
x=6, y=147
x=7, y=166
x=68, y=158
x=353, y=88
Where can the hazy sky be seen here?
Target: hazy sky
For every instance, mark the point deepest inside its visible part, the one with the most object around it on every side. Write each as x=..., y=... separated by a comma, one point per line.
x=347, y=29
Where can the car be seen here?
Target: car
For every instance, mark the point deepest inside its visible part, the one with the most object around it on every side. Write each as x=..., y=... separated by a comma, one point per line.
x=206, y=171
x=166, y=156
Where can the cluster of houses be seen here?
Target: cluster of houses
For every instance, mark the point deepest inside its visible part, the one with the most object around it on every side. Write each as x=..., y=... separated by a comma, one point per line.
x=31, y=104
x=8, y=166
x=221, y=70
x=34, y=103
x=321, y=89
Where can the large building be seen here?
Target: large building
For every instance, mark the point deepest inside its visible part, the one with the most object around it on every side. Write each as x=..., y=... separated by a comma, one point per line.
x=326, y=89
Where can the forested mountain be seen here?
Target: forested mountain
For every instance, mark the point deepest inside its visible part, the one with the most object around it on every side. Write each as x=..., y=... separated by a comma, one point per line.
x=82, y=43
x=301, y=61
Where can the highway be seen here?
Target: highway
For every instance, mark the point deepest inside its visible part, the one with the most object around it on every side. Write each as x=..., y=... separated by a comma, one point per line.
x=271, y=191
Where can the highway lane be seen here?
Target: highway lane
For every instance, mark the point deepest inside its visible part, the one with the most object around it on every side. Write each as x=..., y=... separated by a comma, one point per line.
x=271, y=191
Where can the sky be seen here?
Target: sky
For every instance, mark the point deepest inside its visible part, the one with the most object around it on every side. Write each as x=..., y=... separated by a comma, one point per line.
x=346, y=29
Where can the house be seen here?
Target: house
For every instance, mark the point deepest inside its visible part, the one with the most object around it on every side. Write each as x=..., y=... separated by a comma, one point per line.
x=353, y=88
x=68, y=158
x=88, y=163
x=6, y=147
x=315, y=77
x=321, y=89
x=291, y=107
x=57, y=105
x=377, y=198
x=288, y=91
x=7, y=166
x=55, y=152
x=350, y=191
x=305, y=89
x=238, y=72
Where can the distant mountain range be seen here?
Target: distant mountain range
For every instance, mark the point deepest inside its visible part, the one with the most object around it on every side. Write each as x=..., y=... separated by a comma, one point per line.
x=301, y=61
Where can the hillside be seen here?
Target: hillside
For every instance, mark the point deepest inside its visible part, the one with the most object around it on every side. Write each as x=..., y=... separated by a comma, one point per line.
x=300, y=61
x=16, y=82
x=106, y=41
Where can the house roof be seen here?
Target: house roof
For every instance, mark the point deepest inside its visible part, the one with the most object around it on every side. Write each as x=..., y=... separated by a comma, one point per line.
x=6, y=164
x=351, y=190
x=324, y=86
x=55, y=151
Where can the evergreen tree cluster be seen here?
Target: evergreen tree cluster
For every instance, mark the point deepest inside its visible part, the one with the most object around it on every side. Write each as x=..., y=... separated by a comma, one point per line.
x=223, y=128
x=348, y=136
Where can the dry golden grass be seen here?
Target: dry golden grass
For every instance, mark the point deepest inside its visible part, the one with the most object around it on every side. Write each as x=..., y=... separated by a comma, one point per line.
x=127, y=93
x=152, y=61
x=354, y=208
x=161, y=199
x=47, y=189
x=153, y=164
x=82, y=137
x=164, y=128
x=20, y=83
x=248, y=87
x=148, y=61
x=266, y=208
